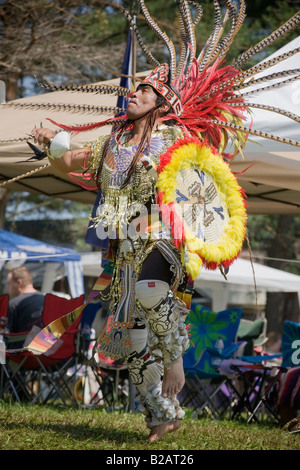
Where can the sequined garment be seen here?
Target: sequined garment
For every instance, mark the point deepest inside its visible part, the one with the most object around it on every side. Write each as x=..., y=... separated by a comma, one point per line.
x=116, y=213
x=117, y=204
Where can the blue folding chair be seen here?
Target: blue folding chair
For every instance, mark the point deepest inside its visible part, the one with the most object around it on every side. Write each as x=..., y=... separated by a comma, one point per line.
x=290, y=346
x=205, y=386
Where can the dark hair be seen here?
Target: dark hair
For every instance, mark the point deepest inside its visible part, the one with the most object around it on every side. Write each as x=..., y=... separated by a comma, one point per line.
x=153, y=115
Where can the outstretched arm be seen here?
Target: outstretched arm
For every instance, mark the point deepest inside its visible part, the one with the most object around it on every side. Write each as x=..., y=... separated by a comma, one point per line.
x=71, y=160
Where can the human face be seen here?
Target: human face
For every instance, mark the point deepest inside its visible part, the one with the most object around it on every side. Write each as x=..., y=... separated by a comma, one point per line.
x=141, y=102
x=13, y=287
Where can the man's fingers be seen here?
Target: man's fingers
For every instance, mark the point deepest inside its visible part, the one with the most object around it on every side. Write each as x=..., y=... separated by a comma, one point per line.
x=42, y=135
x=39, y=135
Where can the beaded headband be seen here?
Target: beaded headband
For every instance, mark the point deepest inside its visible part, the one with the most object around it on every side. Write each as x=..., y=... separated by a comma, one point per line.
x=158, y=79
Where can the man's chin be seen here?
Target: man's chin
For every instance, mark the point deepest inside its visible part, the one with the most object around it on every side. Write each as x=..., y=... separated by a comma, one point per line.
x=131, y=116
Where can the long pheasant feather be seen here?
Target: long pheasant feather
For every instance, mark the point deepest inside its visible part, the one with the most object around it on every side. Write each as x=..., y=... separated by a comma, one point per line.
x=266, y=64
x=266, y=78
x=154, y=26
x=101, y=89
x=287, y=27
x=83, y=108
x=248, y=130
x=274, y=109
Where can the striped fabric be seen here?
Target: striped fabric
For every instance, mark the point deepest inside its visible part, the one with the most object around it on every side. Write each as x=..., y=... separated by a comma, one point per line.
x=289, y=388
x=52, y=332
x=75, y=277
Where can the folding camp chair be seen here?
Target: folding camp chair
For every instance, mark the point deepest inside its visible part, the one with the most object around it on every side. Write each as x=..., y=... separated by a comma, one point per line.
x=4, y=375
x=290, y=344
x=4, y=301
x=251, y=384
x=113, y=383
x=252, y=334
x=287, y=386
x=263, y=380
x=205, y=387
x=44, y=379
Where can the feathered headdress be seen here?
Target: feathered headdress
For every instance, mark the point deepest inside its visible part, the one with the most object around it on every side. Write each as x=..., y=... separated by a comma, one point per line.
x=210, y=98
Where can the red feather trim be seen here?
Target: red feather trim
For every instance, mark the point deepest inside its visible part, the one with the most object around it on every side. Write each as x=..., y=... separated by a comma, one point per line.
x=204, y=96
x=76, y=178
x=168, y=213
x=89, y=127
x=167, y=156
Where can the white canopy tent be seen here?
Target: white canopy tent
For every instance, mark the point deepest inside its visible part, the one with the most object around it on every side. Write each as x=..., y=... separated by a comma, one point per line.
x=244, y=281
x=48, y=261
x=272, y=183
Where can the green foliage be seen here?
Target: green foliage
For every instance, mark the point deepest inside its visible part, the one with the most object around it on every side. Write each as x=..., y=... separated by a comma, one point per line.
x=261, y=230
x=276, y=236
x=263, y=17
x=52, y=220
x=40, y=205
x=80, y=40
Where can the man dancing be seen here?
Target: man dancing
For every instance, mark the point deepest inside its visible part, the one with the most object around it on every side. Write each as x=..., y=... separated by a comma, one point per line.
x=170, y=148
x=147, y=327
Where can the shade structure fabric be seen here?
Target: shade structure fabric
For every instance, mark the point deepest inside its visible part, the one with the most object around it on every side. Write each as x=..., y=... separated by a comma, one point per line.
x=268, y=171
x=15, y=250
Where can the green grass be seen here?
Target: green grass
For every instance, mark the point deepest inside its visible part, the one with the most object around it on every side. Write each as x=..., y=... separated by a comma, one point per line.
x=24, y=427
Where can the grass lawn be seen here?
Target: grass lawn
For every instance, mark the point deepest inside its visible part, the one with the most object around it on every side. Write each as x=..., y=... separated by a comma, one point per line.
x=24, y=427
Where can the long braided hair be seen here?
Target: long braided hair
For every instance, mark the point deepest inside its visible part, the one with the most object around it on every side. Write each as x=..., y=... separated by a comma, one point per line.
x=144, y=144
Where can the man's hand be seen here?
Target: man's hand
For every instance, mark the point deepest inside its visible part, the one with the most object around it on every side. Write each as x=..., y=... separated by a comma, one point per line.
x=42, y=135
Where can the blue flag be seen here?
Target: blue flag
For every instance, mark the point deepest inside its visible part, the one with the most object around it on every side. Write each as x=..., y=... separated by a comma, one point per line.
x=126, y=82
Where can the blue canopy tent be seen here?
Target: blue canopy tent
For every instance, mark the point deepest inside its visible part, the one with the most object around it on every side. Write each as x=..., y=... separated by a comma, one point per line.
x=16, y=250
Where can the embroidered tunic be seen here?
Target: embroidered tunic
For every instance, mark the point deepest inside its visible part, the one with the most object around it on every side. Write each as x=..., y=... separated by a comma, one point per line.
x=118, y=209
x=118, y=206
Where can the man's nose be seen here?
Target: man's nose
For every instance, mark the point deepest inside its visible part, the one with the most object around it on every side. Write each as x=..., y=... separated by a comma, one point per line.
x=132, y=94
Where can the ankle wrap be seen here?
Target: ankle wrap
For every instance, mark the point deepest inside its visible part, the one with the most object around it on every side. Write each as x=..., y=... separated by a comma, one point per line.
x=159, y=410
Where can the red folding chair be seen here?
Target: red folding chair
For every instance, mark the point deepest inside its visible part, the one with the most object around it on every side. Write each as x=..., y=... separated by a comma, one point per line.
x=4, y=301
x=44, y=378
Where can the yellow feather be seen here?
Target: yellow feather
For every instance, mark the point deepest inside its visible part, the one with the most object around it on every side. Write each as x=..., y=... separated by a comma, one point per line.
x=192, y=155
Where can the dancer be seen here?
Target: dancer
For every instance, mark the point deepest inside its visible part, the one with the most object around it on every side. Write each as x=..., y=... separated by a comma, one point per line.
x=146, y=325
x=170, y=203
x=150, y=332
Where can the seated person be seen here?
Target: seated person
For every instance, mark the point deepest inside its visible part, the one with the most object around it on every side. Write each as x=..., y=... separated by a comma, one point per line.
x=25, y=305
x=288, y=394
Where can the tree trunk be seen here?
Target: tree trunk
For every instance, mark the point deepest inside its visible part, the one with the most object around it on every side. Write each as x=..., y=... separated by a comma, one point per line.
x=281, y=306
x=283, y=245
x=11, y=90
x=4, y=195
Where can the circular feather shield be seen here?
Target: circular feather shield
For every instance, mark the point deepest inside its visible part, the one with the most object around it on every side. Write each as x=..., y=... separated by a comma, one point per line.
x=202, y=203
x=199, y=205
